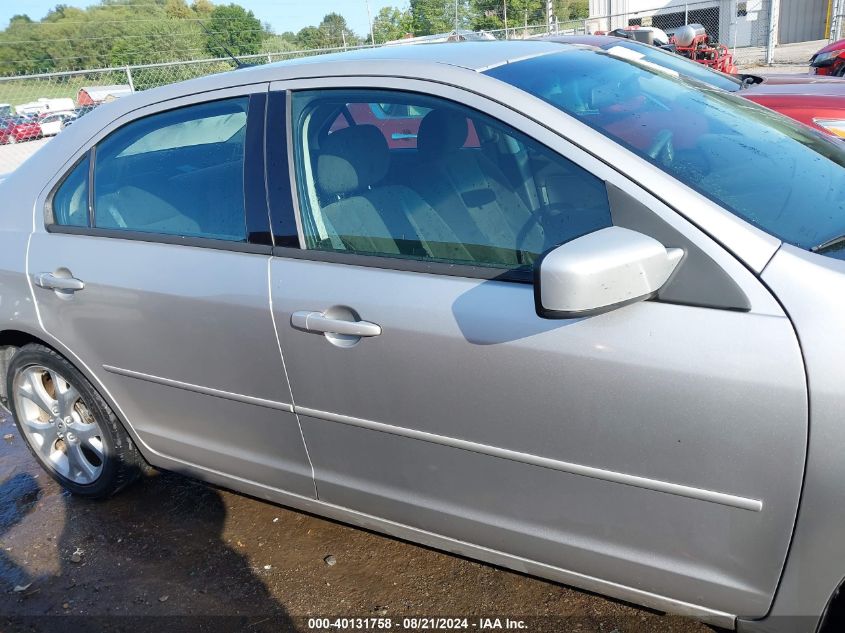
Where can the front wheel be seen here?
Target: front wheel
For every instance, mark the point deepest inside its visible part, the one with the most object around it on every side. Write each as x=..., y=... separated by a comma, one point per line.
x=68, y=427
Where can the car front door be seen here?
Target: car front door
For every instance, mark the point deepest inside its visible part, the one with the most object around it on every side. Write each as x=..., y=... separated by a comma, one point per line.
x=151, y=267
x=653, y=452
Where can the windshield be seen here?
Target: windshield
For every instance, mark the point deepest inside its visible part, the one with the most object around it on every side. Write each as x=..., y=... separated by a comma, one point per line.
x=682, y=65
x=775, y=173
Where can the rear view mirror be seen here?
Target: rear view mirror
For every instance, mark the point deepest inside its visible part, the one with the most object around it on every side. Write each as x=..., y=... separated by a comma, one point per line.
x=601, y=271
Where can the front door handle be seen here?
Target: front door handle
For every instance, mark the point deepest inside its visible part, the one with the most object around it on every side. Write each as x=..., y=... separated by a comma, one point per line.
x=318, y=322
x=53, y=282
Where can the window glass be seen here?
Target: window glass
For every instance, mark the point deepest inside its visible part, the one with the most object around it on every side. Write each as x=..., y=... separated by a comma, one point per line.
x=646, y=54
x=399, y=123
x=470, y=191
x=770, y=170
x=176, y=173
x=70, y=202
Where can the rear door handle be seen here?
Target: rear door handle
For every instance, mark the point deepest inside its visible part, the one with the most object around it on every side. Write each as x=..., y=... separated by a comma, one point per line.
x=318, y=322
x=52, y=282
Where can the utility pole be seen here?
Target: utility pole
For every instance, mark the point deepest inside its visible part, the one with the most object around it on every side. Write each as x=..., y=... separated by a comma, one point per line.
x=550, y=16
x=505, y=4
x=456, y=17
x=771, y=42
x=837, y=10
x=370, y=20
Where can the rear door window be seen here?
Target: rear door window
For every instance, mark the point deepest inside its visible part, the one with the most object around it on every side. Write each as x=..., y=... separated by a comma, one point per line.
x=180, y=172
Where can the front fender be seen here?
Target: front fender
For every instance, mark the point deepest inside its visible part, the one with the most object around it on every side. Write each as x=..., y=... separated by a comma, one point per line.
x=811, y=289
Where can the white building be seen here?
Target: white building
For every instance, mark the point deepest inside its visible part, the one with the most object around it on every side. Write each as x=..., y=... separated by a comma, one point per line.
x=735, y=23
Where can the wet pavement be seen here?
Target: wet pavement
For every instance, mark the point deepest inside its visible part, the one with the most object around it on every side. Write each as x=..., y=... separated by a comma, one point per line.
x=173, y=554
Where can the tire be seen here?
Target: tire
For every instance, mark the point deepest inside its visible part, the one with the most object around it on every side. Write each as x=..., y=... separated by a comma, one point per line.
x=841, y=71
x=88, y=452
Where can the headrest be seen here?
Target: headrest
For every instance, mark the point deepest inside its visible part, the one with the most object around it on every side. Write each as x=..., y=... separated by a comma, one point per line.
x=352, y=159
x=442, y=131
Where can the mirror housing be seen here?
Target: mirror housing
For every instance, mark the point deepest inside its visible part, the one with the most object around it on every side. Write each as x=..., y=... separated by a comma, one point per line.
x=601, y=271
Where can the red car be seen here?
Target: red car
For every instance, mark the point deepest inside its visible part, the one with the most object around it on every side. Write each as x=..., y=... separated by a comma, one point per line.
x=398, y=124
x=830, y=60
x=17, y=129
x=815, y=101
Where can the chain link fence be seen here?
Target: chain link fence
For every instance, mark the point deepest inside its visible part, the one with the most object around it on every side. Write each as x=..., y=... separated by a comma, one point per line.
x=35, y=108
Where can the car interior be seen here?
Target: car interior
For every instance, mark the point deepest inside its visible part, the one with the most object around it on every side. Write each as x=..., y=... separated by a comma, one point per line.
x=172, y=176
x=462, y=188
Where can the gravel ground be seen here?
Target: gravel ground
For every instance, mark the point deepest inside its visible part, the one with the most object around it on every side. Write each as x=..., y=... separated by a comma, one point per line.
x=174, y=554
x=12, y=155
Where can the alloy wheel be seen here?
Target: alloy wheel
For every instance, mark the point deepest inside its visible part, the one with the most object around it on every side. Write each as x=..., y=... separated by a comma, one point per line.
x=58, y=425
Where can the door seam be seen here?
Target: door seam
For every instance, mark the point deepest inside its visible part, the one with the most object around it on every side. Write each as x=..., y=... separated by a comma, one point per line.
x=287, y=376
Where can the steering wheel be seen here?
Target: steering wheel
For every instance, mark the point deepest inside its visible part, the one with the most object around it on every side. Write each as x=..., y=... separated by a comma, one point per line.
x=662, y=147
x=536, y=220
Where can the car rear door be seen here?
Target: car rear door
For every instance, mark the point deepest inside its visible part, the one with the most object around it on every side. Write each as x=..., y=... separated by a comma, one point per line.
x=151, y=267
x=654, y=453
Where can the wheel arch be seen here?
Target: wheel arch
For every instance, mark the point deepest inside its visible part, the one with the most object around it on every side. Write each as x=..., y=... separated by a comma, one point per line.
x=833, y=616
x=11, y=340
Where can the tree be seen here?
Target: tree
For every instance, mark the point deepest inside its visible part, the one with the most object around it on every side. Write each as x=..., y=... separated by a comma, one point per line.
x=178, y=9
x=572, y=9
x=335, y=32
x=236, y=28
x=438, y=16
x=202, y=7
x=392, y=24
x=158, y=41
x=487, y=15
x=309, y=37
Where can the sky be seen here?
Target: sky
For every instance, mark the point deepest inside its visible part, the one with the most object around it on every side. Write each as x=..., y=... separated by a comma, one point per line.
x=283, y=15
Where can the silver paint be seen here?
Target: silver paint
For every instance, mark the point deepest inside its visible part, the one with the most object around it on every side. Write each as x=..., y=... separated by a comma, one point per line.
x=604, y=269
x=722, y=498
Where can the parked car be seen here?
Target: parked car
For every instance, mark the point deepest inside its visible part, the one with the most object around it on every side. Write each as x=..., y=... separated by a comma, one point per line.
x=398, y=123
x=591, y=347
x=815, y=101
x=18, y=129
x=52, y=124
x=830, y=60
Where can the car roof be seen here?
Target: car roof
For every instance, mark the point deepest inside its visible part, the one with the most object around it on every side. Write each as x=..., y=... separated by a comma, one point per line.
x=476, y=56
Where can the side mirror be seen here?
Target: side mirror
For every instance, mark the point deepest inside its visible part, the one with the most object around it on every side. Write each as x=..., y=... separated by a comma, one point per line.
x=601, y=271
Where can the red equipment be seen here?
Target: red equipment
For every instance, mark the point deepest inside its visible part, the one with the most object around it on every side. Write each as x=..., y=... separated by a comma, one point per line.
x=693, y=42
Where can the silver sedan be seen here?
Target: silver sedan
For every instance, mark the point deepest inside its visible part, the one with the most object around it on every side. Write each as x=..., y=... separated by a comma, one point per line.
x=539, y=305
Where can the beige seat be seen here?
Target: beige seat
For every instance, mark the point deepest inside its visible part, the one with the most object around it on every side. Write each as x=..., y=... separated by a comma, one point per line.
x=470, y=192
x=369, y=217
x=135, y=209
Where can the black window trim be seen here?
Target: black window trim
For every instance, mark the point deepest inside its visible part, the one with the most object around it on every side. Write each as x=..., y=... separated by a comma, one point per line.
x=258, y=240
x=386, y=262
x=163, y=238
x=282, y=200
x=92, y=163
x=256, y=210
x=49, y=218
